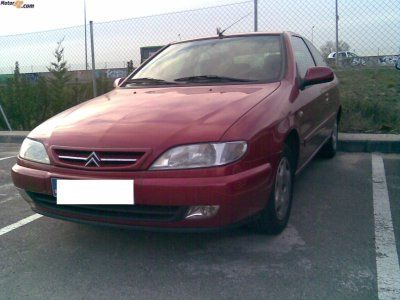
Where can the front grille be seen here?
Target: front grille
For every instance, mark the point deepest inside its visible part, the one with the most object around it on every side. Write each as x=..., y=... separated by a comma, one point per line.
x=137, y=212
x=98, y=159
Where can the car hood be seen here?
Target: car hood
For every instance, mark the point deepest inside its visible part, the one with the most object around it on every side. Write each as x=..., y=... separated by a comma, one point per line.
x=155, y=118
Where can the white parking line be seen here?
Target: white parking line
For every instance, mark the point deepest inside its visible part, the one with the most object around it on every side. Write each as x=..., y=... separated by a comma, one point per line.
x=6, y=197
x=387, y=261
x=6, y=200
x=19, y=224
x=4, y=158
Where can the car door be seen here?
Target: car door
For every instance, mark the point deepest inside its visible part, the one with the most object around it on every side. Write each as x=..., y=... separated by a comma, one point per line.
x=329, y=91
x=309, y=104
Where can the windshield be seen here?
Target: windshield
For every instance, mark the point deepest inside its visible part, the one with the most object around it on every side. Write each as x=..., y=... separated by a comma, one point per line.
x=236, y=59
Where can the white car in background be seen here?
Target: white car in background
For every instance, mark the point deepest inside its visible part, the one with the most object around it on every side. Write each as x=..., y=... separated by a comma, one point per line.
x=343, y=54
x=351, y=57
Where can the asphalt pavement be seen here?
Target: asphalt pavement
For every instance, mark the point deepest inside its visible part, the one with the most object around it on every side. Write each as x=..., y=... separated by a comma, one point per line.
x=328, y=250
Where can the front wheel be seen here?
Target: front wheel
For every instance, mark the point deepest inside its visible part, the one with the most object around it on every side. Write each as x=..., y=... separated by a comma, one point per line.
x=274, y=218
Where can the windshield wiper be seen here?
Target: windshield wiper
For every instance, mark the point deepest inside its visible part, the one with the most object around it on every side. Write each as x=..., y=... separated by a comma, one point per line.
x=148, y=80
x=211, y=78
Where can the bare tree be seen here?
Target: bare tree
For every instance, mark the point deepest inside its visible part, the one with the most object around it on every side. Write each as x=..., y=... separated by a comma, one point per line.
x=330, y=47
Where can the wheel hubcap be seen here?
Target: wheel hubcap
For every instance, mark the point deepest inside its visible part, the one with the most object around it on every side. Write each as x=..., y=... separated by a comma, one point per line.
x=283, y=186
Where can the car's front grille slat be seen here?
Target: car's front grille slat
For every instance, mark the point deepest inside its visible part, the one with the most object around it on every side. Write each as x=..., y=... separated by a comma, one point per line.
x=97, y=159
x=66, y=157
x=137, y=212
x=119, y=159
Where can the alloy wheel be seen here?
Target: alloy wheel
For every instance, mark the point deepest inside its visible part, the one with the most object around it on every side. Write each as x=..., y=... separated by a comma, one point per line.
x=283, y=186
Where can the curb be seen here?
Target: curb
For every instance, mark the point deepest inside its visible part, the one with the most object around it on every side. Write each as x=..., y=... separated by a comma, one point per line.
x=348, y=142
x=12, y=136
x=365, y=142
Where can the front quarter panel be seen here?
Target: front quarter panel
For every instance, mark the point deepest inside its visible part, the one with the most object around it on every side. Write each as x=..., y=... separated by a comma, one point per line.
x=265, y=128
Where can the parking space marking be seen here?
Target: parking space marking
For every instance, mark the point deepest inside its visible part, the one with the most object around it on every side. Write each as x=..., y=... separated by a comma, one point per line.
x=19, y=224
x=4, y=158
x=7, y=200
x=387, y=261
x=8, y=196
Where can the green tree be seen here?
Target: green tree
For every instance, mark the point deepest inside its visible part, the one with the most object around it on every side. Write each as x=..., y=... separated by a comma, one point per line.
x=60, y=93
x=19, y=101
x=43, y=99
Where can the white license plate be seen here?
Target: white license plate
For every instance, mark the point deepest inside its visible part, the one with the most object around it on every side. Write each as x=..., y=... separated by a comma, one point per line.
x=95, y=191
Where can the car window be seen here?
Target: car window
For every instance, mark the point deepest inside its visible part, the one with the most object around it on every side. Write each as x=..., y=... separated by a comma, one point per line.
x=302, y=55
x=252, y=58
x=316, y=54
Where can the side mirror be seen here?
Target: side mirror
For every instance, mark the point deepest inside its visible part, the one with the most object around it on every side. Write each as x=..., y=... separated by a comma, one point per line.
x=317, y=75
x=398, y=63
x=117, y=82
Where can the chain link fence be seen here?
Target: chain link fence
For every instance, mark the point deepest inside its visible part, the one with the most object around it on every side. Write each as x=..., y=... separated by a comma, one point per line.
x=366, y=28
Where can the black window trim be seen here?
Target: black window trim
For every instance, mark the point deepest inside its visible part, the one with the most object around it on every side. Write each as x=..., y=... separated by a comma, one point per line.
x=301, y=80
x=308, y=48
x=308, y=43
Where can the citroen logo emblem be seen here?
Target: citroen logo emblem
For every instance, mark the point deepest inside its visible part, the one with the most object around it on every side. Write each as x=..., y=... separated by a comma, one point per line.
x=93, y=160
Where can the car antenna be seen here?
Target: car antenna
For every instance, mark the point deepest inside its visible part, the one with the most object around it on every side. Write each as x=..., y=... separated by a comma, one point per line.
x=221, y=33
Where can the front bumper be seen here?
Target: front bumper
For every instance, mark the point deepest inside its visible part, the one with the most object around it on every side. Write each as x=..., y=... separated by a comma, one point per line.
x=239, y=196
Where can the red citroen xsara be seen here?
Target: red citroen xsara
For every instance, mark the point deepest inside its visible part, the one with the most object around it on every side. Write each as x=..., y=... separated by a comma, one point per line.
x=207, y=133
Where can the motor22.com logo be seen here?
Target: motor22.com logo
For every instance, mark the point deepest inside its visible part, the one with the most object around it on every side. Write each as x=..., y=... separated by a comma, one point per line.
x=17, y=4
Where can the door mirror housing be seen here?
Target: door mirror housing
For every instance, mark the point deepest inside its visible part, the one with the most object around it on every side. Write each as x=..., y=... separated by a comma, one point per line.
x=117, y=82
x=317, y=75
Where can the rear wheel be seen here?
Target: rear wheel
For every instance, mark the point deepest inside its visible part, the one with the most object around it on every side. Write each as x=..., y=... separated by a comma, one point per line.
x=330, y=148
x=275, y=216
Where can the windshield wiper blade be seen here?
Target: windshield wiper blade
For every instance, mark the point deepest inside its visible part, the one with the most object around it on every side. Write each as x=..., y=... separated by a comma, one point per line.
x=210, y=78
x=148, y=80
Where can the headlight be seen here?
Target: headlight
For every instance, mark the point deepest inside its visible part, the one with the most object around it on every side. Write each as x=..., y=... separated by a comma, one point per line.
x=34, y=151
x=200, y=156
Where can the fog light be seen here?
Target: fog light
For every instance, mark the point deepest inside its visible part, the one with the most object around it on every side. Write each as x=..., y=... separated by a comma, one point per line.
x=201, y=212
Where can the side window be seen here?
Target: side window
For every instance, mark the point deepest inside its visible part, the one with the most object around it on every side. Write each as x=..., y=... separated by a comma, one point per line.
x=302, y=55
x=316, y=54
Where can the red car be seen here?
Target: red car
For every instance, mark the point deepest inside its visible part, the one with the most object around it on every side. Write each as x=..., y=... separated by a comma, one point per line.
x=207, y=133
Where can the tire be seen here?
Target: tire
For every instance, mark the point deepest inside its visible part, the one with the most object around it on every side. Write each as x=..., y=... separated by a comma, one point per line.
x=330, y=147
x=273, y=219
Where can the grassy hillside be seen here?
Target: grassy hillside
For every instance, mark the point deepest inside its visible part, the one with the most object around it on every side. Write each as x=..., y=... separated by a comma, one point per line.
x=371, y=100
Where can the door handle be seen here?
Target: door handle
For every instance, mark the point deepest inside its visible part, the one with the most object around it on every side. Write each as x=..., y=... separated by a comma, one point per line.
x=300, y=113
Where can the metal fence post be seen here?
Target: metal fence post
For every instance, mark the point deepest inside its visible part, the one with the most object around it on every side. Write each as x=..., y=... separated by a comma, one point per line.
x=312, y=34
x=93, y=60
x=255, y=15
x=5, y=118
x=337, y=35
x=84, y=12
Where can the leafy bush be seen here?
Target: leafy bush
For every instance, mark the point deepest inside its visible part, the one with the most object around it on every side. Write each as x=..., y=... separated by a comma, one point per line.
x=370, y=97
x=23, y=102
x=28, y=103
